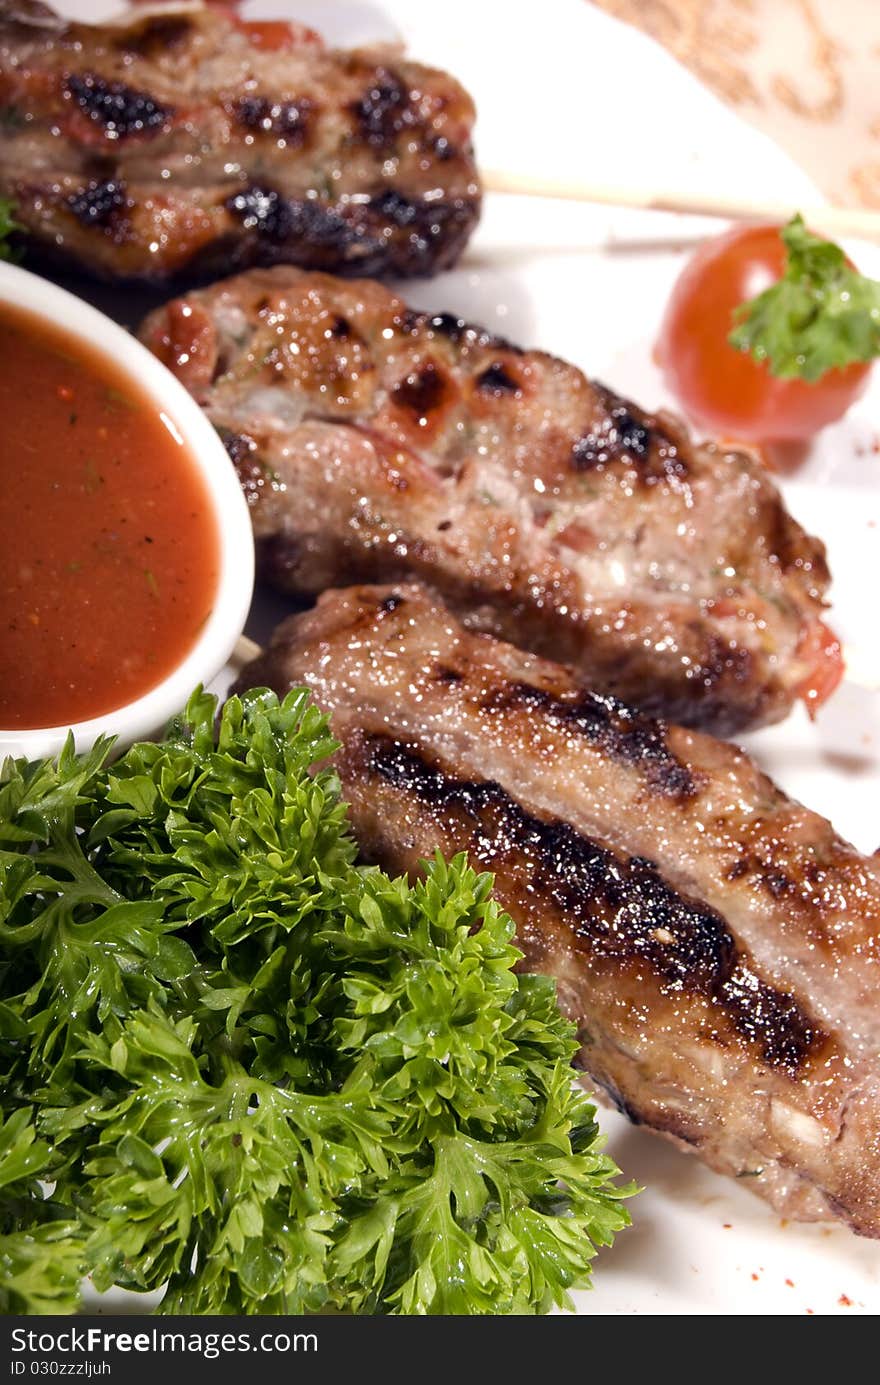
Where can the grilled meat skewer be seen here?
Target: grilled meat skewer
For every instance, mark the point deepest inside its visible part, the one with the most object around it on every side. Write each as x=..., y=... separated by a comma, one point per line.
x=186, y=143
x=717, y=945
x=377, y=443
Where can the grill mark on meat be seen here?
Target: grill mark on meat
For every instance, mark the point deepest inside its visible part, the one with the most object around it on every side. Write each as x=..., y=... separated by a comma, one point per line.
x=397, y=208
x=459, y=332
x=624, y=435
x=453, y=328
x=619, y=436
x=696, y=998
x=204, y=85
x=384, y=110
x=255, y=478
x=119, y=109
x=238, y=445
x=612, y=727
x=661, y=594
x=277, y=219
x=422, y=392
x=775, y=881
x=497, y=381
x=443, y=148
x=408, y=321
x=446, y=675
x=287, y=119
x=620, y=908
x=265, y=211
x=99, y=204
x=427, y=224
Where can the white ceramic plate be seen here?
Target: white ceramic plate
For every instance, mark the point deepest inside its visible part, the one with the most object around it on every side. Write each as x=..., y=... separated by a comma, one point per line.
x=563, y=90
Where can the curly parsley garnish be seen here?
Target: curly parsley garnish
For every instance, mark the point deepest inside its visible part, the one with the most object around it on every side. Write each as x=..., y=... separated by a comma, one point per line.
x=821, y=315
x=257, y=1074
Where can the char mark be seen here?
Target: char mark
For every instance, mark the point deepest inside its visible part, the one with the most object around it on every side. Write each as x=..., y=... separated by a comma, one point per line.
x=389, y=604
x=287, y=120
x=422, y=392
x=497, y=381
x=277, y=219
x=619, y=909
x=619, y=435
x=384, y=110
x=430, y=233
x=619, y=731
x=374, y=237
x=120, y=110
x=254, y=477
x=455, y=329
x=99, y=204
x=443, y=149
x=623, y=435
x=238, y=445
x=394, y=207
x=449, y=676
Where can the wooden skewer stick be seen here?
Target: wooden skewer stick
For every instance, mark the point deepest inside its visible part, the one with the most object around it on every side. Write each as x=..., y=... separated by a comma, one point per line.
x=244, y=652
x=861, y=671
x=831, y=221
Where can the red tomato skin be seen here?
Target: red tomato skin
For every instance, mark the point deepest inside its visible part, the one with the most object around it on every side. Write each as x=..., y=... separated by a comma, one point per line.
x=276, y=35
x=821, y=651
x=726, y=390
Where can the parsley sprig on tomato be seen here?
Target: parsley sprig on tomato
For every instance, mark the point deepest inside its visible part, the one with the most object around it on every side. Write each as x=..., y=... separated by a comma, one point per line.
x=769, y=333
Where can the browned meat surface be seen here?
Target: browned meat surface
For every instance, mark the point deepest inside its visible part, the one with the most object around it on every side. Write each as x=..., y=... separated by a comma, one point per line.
x=717, y=944
x=377, y=443
x=187, y=143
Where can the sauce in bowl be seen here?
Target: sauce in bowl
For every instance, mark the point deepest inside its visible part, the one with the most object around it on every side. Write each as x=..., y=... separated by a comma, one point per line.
x=109, y=546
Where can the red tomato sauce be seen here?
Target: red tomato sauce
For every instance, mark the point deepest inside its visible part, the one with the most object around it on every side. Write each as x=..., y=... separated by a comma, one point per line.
x=109, y=551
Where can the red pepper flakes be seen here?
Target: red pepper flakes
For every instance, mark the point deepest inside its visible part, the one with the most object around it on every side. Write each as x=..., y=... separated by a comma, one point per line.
x=845, y=1301
x=790, y=1283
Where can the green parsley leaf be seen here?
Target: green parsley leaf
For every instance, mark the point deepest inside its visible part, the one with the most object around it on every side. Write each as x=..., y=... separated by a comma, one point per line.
x=821, y=315
x=8, y=225
x=259, y=1077
x=42, y=1256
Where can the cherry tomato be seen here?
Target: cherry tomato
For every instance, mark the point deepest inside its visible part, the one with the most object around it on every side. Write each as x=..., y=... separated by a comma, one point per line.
x=726, y=390
x=821, y=652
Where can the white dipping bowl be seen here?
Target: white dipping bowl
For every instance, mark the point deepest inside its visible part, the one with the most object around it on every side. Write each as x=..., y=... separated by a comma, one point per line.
x=147, y=715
